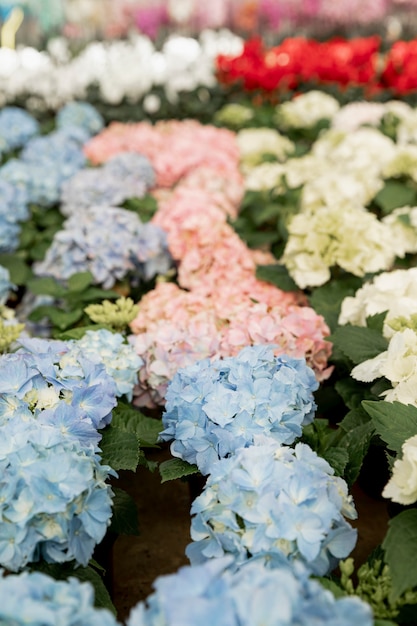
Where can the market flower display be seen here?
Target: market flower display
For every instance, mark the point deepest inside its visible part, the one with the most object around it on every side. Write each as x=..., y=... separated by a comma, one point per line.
x=34, y=598
x=109, y=242
x=272, y=499
x=215, y=407
x=217, y=591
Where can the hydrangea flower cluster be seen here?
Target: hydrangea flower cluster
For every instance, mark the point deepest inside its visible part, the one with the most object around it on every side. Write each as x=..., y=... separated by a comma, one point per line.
x=119, y=358
x=53, y=380
x=217, y=592
x=273, y=499
x=306, y=110
x=5, y=285
x=81, y=115
x=127, y=175
x=13, y=209
x=35, y=599
x=55, y=503
x=109, y=242
x=16, y=128
x=214, y=408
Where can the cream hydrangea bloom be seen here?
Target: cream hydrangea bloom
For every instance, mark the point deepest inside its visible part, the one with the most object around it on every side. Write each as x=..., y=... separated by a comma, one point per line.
x=306, y=110
x=366, y=149
x=402, y=486
x=395, y=292
x=402, y=163
x=403, y=225
x=356, y=114
x=346, y=189
x=352, y=239
x=407, y=128
x=254, y=143
x=301, y=170
x=265, y=177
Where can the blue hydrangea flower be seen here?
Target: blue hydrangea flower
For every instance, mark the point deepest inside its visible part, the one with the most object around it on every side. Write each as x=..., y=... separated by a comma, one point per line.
x=215, y=407
x=54, y=502
x=269, y=499
x=127, y=175
x=80, y=114
x=35, y=599
x=119, y=358
x=5, y=285
x=219, y=593
x=109, y=242
x=44, y=374
x=131, y=167
x=58, y=151
x=16, y=128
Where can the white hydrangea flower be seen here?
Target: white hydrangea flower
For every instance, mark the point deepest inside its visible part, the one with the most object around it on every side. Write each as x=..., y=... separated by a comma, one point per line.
x=402, y=163
x=255, y=142
x=350, y=238
x=306, y=110
x=346, y=189
x=407, y=128
x=356, y=114
x=395, y=292
x=265, y=177
x=402, y=486
x=403, y=225
x=301, y=170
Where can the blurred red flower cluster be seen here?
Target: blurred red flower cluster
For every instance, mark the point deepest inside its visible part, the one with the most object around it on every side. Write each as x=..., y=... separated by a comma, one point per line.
x=344, y=62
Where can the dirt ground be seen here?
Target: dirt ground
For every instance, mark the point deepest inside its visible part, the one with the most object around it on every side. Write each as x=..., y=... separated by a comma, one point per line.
x=164, y=519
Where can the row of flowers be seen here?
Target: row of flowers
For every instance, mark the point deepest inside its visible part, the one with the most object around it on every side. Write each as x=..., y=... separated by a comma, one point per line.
x=233, y=410
x=85, y=19
x=187, y=76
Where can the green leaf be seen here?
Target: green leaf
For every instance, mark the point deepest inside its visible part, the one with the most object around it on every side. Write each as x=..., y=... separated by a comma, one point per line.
x=77, y=333
x=18, y=270
x=393, y=195
x=65, y=319
x=80, y=281
x=352, y=392
x=400, y=545
x=376, y=321
x=176, y=468
x=394, y=422
x=332, y=586
x=129, y=419
x=338, y=458
x=119, y=449
x=46, y=286
x=62, y=571
x=359, y=344
x=276, y=275
x=327, y=300
x=359, y=430
x=125, y=514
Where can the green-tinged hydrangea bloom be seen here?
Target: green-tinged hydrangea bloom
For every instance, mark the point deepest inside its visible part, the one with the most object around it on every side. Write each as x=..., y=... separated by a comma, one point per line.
x=374, y=585
x=306, y=110
x=404, y=163
x=117, y=315
x=401, y=323
x=234, y=115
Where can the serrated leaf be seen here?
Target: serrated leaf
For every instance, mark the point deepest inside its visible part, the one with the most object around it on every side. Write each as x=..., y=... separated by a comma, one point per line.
x=18, y=270
x=276, y=275
x=80, y=281
x=124, y=520
x=147, y=429
x=376, y=321
x=358, y=343
x=393, y=195
x=327, y=300
x=338, y=458
x=393, y=421
x=176, y=468
x=65, y=319
x=400, y=545
x=46, y=286
x=78, y=333
x=119, y=449
x=357, y=442
x=352, y=392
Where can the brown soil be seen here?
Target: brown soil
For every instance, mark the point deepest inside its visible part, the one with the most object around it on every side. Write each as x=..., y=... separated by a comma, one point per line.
x=164, y=519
